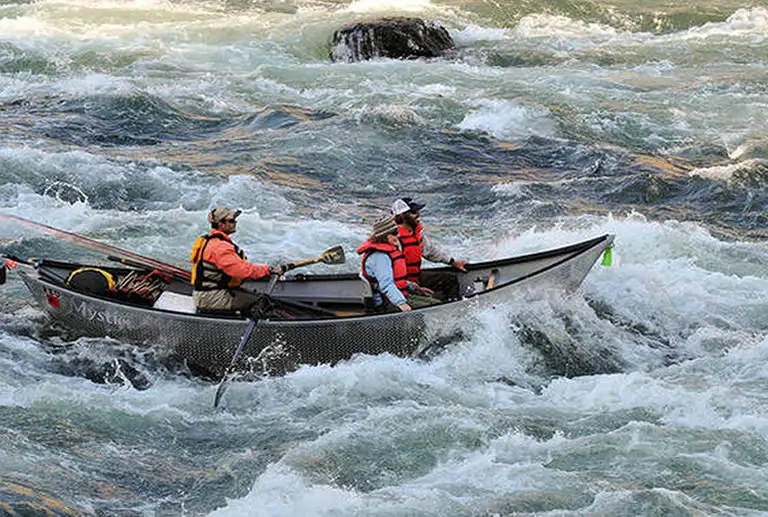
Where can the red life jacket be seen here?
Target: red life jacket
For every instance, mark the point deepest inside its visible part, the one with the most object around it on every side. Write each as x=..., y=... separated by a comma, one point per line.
x=412, y=249
x=398, y=264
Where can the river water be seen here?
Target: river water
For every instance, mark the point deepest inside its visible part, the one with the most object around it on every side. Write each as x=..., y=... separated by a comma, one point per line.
x=644, y=393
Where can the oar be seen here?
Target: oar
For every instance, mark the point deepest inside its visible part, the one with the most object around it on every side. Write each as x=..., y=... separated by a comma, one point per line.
x=100, y=247
x=333, y=255
x=239, y=350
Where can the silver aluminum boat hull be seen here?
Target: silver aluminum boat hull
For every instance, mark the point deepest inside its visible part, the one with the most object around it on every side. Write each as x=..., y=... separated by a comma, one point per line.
x=207, y=342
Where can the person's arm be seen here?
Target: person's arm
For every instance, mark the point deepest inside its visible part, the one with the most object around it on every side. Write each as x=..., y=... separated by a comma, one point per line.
x=413, y=287
x=379, y=266
x=432, y=253
x=224, y=256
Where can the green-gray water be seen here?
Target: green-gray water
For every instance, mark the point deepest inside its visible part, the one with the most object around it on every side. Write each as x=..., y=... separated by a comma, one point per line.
x=552, y=122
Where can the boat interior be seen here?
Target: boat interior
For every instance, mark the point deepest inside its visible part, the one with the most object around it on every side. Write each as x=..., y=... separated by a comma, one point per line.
x=301, y=295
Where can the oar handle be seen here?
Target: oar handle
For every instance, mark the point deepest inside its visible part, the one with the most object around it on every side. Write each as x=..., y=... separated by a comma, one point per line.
x=8, y=262
x=12, y=261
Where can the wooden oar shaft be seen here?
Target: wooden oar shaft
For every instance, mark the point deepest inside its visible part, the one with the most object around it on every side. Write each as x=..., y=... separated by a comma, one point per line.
x=306, y=261
x=333, y=255
x=239, y=350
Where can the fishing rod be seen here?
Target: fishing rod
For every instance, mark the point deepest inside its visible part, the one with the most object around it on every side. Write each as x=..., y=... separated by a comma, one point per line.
x=100, y=247
x=181, y=274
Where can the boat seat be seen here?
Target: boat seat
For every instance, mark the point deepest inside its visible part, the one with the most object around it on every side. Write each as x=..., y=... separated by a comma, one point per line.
x=175, y=302
x=367, y=290
x=368, y=304
x=491, y=283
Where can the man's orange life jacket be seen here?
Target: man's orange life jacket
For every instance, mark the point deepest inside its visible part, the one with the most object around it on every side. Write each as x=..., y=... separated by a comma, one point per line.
x=206, y=276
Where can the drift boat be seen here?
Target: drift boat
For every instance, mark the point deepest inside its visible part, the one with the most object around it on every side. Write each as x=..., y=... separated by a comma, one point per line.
x=330, y=322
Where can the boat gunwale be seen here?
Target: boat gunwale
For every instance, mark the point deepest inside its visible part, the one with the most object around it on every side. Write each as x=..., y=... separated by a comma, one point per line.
x=571, y=251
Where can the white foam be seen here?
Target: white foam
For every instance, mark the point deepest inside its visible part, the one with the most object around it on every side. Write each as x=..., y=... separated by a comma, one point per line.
x=377, y=6
x=544, y=25
x=65, y=204
x=279, y=492
x=392, y=114
x=749, y=146
x=726, y=172
x=506, y=120
x=472, y=33
x=743, y=22
x=375, y=398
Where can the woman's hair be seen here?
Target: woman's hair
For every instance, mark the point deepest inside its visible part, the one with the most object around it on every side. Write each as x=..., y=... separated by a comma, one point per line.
x=382, y=238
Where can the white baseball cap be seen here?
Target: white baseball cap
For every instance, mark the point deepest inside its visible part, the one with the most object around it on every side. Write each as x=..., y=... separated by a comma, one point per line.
x=402, y=205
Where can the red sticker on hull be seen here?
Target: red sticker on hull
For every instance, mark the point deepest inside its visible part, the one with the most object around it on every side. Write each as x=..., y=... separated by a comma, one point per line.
x=53, y=299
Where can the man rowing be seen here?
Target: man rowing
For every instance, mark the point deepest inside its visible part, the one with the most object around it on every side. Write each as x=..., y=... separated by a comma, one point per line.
x=220, y=266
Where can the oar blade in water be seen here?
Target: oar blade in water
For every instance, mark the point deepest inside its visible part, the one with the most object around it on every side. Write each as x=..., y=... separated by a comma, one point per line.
x=223, y=385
